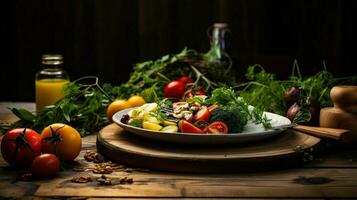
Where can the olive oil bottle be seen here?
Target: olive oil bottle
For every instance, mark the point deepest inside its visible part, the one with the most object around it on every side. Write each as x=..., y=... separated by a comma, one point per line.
x=218, y=60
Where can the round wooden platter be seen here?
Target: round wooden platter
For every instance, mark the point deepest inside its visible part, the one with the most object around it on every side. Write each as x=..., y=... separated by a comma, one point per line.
x=282, y=151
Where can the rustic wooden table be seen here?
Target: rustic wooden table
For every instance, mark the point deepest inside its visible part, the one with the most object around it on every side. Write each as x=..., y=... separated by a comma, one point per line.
x=332, y=176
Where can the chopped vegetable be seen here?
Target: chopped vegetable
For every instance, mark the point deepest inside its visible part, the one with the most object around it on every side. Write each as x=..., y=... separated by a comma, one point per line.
x=187, y=127
x=233, y=118
x=217, y=127
x=151, y=126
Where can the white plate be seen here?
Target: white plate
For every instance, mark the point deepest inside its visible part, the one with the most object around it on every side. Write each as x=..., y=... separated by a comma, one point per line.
x=251, y=132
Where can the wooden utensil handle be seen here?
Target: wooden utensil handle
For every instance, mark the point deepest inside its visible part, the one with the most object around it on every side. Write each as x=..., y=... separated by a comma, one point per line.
x=332, y=133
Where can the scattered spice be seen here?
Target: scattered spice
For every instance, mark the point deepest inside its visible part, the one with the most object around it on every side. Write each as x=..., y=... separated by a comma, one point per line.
x=91, y=156
x=81, y=179
x=102, y=170
x=103, y=180
x=126, y=180
x=109, y=166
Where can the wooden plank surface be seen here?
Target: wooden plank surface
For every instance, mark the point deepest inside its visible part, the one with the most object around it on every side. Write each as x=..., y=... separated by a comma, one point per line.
x=333, y=175
x=309, y=183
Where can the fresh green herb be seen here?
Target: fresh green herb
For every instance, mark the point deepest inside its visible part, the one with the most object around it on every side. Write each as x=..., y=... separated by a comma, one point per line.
x=228, y=99
x=150, y=94
x=167, y=103
x=149, y=78
x=158, y=115
x=223, y=96
x=263, y=91
x=136, y=122
x=266, y=93
x=26, y=119
x=197, y=99
x=83, y=107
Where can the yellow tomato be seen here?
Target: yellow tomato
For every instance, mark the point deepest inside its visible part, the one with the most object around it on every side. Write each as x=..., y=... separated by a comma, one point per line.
x=115, y=106
x=135, y=101
x=61, y=140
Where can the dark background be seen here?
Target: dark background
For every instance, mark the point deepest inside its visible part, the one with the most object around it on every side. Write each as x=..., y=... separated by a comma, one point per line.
x=106, y=37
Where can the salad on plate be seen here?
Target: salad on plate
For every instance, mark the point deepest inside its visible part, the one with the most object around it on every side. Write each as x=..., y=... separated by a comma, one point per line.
x=224, y=112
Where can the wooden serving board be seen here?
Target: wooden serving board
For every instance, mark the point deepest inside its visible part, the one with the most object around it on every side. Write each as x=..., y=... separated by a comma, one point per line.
x=282, y=151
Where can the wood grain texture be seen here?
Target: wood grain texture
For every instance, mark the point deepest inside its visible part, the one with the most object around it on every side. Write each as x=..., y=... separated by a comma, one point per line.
x=294, y=183
x=282, y=151
x=331, y=133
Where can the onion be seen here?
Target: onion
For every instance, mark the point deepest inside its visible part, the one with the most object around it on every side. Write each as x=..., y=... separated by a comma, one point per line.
x=293, y=110
x=314, y=109
x=292, y=95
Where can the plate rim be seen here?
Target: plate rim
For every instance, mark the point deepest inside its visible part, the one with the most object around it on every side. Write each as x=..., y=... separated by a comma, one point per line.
x=172, y=137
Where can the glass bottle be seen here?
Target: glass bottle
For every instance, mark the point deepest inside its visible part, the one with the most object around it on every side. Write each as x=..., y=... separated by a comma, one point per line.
x=50, y=81
x=217, y=58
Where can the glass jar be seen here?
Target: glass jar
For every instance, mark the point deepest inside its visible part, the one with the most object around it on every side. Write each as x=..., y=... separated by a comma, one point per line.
x=50, y=81
x=219, y=61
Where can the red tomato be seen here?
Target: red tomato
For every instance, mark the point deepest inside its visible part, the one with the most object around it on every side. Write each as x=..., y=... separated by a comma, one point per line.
x=45, y=165
x=200, y=91
x=174, y=89
x=187, y=127
x=185, y=80
x=217, y=127
x=20, y=146
x=202, y=115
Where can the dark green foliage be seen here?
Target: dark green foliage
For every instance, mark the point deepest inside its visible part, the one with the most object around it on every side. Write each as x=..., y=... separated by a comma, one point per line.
x=233, y=118
x=266, y=93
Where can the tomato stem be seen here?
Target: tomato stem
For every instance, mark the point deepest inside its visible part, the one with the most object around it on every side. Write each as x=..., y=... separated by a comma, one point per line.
x=54, y=138
x=20, y=140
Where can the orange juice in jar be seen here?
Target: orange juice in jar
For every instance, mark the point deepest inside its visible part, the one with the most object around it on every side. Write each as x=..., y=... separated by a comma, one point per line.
x=50, y=81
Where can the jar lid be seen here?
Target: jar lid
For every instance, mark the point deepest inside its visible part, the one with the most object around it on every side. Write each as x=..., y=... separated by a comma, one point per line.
x=52, y=59
x=220, y=25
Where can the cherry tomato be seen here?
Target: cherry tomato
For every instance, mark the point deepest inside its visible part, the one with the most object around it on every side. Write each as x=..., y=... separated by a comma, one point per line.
x=217, y=127
x=45, y=165
x=202, y=115
x=174, y=89
x=185, y=80
x=200, y=91
x=61, y=140
x=187, y=127
x=20, y=146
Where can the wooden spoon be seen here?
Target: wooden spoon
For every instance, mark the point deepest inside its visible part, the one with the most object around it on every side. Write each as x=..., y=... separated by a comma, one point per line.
x=343, y=135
